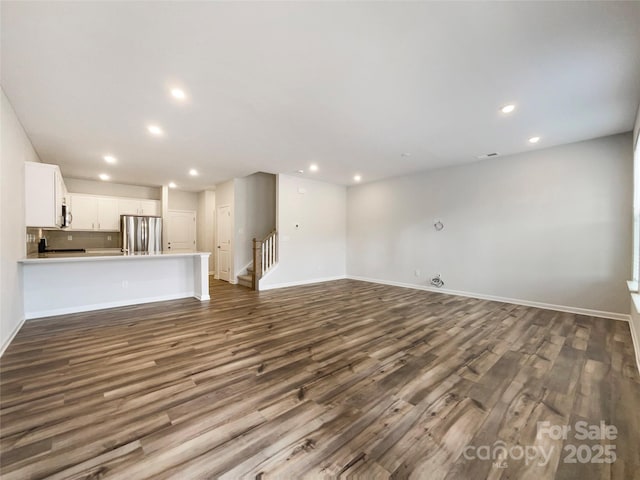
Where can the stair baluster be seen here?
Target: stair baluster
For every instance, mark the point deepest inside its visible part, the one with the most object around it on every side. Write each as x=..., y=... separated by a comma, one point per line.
x=264, y=257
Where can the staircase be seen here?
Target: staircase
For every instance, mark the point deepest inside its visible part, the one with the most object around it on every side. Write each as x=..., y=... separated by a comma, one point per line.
x=246, y=280
x=265, y=256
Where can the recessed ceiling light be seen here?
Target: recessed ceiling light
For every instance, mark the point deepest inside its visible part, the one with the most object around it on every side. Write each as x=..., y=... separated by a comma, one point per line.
x=313, y=167
x=172, y=185
x=508, y=108
x=155, y=130
x=110, y=159
x=193, y=172
x=357, y=178
x=104, y=176
x=178, y=93
x=534, y=139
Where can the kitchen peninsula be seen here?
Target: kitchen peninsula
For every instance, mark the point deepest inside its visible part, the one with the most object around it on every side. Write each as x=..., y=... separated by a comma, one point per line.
x=61, y=284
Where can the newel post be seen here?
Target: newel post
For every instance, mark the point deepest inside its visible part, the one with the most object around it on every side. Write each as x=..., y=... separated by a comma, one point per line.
x=257, y=263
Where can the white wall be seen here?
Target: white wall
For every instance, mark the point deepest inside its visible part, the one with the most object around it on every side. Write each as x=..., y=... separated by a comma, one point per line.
x=77, y=185
x=550, y=226
x=635, y=315
x=15, y=149
x=206, y=225
x=255, y=214
x=636, y=128
x=180, y=200
x=311, y=224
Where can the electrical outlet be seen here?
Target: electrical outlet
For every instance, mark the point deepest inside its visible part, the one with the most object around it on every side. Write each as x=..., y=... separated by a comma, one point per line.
x=108, y=237
x=416, y=272
x=69, y=237
x=125, y=283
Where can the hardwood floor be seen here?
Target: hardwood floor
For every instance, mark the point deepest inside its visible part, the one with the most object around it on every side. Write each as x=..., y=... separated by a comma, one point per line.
x=342, y=379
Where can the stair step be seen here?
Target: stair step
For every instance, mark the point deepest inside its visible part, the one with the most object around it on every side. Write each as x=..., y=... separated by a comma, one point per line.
x=245, y=281
x=250, y=269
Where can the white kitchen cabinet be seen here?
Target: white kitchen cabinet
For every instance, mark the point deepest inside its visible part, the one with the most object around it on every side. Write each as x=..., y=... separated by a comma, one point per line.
x=149, y=207
x=45, y=193
x=84, y=209
x=130, y=206
x=108, y=216
x=91, y=212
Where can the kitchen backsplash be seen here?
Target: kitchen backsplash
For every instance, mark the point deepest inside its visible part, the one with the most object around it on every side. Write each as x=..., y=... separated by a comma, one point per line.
x=60, y=239
x=33, y=236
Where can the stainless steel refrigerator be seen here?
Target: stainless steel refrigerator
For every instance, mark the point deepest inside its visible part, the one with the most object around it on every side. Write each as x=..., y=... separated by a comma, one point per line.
x=141, y=234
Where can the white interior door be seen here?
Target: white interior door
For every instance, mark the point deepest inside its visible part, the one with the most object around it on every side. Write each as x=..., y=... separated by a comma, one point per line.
x=224, y=242
x=181, y=231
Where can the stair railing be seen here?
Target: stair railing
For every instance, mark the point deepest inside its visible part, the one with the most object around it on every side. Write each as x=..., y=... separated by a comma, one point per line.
x=265, y=256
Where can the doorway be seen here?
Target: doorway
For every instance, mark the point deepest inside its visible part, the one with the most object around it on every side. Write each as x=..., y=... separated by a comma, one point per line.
x=223, y=238
x=181, y=231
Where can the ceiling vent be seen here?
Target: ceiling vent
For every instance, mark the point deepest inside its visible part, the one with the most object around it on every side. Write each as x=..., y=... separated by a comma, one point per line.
x=487, y=155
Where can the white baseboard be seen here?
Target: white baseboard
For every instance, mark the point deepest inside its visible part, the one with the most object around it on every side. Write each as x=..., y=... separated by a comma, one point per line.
x=546, y=306
x=635, y=334
x=102, y=306
x=635, y=337
x=203, y=298
x=12, y=336
x=301, y=282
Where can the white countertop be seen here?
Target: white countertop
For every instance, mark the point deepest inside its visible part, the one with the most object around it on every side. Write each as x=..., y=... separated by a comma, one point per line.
x=102, y=256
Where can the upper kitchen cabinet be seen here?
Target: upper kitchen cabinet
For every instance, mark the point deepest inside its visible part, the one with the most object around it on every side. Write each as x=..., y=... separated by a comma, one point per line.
x=45, y=193
x=150, y=207
x=102, y=213
x=131, y=206
x=108, y=216
x=91, y=212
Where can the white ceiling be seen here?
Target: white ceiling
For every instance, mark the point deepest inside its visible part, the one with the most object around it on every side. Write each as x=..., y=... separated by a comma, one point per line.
x=276, y=86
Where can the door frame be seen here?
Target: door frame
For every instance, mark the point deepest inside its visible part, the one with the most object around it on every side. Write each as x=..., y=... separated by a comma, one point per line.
x=217, y=244
x=195, y=225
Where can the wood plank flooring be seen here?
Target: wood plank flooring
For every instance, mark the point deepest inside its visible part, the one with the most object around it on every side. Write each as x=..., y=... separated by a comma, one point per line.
x=341, y=379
